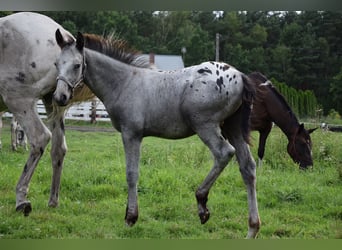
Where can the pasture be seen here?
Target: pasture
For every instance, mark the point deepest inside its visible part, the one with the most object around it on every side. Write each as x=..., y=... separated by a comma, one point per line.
x=292, y=203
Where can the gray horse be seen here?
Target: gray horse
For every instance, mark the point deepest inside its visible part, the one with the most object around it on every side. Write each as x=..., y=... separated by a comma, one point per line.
x=168, y=104
x=28, y=51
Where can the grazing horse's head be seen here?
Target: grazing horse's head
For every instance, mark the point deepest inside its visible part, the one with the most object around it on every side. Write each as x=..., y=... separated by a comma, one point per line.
x=70, y=66
x=299, y=147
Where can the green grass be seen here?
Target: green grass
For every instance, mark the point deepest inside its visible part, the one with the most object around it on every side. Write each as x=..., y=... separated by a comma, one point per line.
x=292, y=203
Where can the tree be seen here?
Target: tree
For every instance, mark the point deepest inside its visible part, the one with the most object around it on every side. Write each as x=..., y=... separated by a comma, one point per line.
x=336, y=91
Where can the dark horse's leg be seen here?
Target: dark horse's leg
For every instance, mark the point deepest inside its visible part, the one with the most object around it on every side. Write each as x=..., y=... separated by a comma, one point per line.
x=232, y=132
x=222, y=152
x=263, y=134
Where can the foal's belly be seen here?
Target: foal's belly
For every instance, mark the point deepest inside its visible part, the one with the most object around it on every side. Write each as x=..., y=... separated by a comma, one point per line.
x=168, y=130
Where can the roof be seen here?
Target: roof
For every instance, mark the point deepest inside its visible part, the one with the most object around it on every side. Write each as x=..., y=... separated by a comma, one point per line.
x=168, y=62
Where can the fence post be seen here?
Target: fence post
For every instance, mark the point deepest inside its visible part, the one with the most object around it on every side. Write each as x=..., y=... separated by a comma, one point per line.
x=93, y=112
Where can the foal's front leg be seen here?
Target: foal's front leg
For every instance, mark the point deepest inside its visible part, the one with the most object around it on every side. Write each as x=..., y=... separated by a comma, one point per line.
x=132, y=151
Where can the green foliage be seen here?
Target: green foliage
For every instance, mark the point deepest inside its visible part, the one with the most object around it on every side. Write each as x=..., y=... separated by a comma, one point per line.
x=303, y=103
x=292, y=203
x=333, y=114
x=336, y=91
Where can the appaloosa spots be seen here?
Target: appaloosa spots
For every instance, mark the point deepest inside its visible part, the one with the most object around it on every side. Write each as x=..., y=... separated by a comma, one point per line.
x=33, y=65
x=50, y=42
x=226, y=67
x=62, y=125
x=205, y=70
x=219, y=83
x=20, y=77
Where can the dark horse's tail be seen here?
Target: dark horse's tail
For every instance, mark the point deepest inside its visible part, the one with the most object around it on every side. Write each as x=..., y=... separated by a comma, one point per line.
x=242, y=115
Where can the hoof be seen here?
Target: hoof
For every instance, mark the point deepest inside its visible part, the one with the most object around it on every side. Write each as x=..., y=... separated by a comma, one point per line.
x=204, y=216
x=53, y=204
x=24, y=207
x=131, y=220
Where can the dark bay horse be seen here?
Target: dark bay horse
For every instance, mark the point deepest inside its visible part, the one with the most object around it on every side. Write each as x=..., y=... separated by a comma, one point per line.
x=168, y=104
x=270, y=106
x=28, y=51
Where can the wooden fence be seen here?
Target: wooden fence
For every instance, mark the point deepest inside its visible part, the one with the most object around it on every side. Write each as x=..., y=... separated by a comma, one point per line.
x=85, y=111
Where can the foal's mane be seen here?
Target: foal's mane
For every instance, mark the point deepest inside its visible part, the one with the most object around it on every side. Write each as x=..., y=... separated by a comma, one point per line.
x=259, y=79
x=115, y=48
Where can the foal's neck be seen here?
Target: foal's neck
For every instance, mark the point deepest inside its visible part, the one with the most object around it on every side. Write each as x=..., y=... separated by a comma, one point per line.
x=104, y=75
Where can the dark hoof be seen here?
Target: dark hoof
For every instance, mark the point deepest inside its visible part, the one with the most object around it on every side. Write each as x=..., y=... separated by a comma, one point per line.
x=25, y=207
x=204, y=217
x=131, y=220
x=131, y=217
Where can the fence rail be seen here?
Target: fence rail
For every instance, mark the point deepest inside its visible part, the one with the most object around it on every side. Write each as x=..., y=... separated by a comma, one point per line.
x=85, y=111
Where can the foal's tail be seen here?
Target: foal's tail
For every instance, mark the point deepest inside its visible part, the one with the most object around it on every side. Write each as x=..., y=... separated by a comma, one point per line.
x=246, y=107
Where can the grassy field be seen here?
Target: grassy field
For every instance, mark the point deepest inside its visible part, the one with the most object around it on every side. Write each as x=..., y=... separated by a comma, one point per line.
x=292, y=203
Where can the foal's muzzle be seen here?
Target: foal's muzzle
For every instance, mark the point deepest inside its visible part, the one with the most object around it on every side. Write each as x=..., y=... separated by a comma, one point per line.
x=65, y=90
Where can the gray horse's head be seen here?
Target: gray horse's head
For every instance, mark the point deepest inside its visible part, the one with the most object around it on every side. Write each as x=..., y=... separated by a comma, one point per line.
x=70, y=66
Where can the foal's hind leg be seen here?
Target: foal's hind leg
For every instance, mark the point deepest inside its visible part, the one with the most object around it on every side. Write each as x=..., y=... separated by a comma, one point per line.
x=38, y=136
x=248, y=173
x=222, y=152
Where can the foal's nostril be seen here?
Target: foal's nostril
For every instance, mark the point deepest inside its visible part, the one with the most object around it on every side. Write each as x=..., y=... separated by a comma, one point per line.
x=63, y=98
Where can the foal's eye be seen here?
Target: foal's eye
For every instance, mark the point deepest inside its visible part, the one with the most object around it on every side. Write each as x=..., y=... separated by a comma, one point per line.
x=56, y=64
x=77, y=66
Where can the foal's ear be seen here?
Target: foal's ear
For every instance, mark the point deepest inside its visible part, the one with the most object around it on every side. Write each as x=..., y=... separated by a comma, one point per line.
x=63, y=40
x=80, y=41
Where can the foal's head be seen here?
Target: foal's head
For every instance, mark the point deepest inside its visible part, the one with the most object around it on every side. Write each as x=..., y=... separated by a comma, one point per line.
x=300, y=145
x=70, y=66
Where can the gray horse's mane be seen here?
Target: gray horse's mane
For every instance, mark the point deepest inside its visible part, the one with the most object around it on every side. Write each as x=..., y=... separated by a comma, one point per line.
x=115, y=48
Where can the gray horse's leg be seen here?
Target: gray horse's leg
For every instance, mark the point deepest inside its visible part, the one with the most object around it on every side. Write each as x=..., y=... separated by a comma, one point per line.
x=132, y=151
x=0, y=128
x=222, y=152
x=38, y=136
x=58, y=148
x=248, y=172
x=14, y=140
